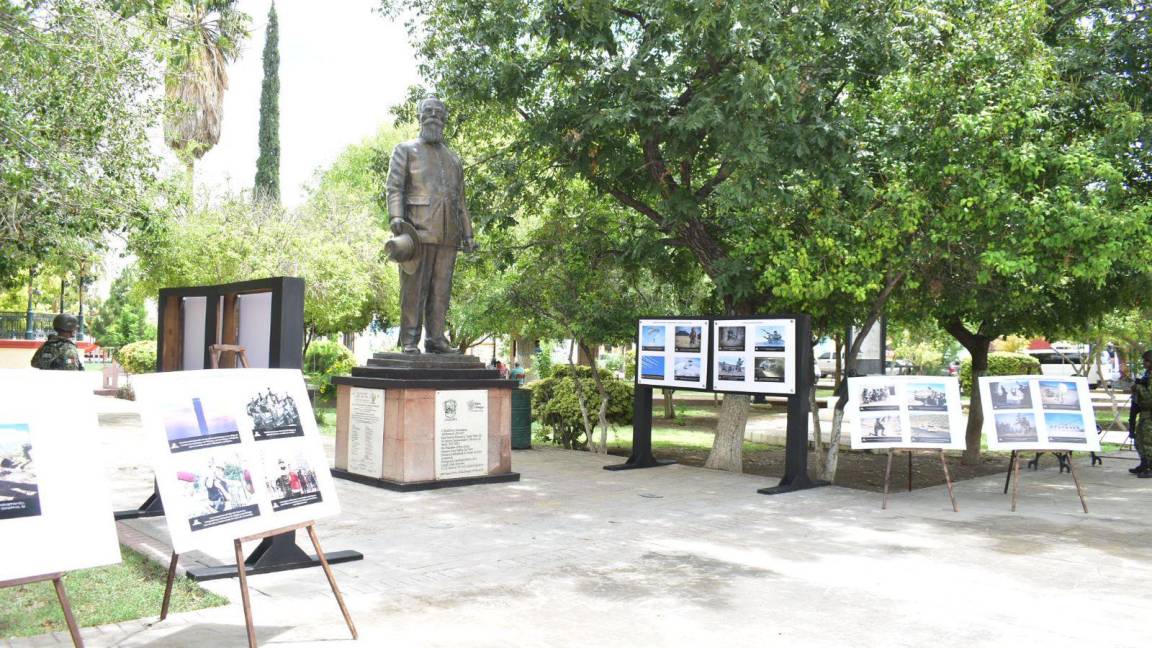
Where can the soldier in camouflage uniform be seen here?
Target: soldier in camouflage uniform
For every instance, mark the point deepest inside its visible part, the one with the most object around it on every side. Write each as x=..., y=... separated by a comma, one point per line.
x=1142, y=399
x=59, y=351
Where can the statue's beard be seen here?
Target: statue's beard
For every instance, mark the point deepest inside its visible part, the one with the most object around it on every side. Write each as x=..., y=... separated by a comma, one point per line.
x=432, y=131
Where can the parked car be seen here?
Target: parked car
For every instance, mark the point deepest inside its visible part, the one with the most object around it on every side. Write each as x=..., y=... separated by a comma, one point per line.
x=1055, y=362
x=826, y=362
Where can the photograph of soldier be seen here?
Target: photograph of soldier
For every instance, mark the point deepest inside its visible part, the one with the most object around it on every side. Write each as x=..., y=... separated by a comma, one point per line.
x=769, y=338
x=19, y=489
x=732, y=338
x=687, y=369
x=1010, y=394
x=652, y=338
x=731, y=368
x=880, y=428
x=878, y=397
x=652, y=367
x=930, y=428
x=291, y=481
x=274, y=416
x=1059, y=394
x=216, y=489
x=196, y=425
x=1016, y=428
x=927, y=397
x=1064, y=427
x=769, y=370
x=688, y=339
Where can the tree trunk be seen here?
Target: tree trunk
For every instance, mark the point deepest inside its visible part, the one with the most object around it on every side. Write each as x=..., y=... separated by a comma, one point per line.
x=817, y=437
x=838, y=358
x=580, y=398
x=602, y=414
x=977, y=345
x=728, y=448
x=669, y=406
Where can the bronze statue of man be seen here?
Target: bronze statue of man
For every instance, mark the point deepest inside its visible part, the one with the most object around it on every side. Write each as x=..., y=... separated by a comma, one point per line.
x=426, y=203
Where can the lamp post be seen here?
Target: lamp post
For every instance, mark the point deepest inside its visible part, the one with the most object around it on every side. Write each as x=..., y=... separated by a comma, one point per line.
x=29, y=332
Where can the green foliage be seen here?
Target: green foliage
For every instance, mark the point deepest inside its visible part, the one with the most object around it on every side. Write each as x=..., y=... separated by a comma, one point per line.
x=74, y=116
x=267, y=183
x=138, y=357
x=542, y=361
x=556, y=406
x=1000, y=363
x=325, y=359
x=121, y=319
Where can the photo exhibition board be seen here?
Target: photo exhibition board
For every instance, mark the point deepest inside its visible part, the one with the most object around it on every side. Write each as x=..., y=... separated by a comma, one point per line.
x=55, y=504
x=673, y=353
x=1038, y=413
x=236, y=452
x=754, y=356
x=905, y=412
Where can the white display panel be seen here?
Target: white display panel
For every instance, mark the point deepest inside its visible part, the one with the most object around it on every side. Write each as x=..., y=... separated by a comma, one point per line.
x=1038, y=413
x=194, y=314
x=55, y=505
x=255, y=315
x=366, y=432
x=754, y=356
x=905, y=412
x=461, y=433
x=673, y=353
x=236, y=452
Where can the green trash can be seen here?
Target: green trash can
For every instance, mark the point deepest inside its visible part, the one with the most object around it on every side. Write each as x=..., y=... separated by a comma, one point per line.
x=521, y=419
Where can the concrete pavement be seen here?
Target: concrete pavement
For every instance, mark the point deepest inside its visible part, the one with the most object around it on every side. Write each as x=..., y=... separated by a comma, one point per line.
x=573, y=555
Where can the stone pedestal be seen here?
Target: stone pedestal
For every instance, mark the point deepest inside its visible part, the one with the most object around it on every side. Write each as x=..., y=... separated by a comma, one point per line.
x=446, y=420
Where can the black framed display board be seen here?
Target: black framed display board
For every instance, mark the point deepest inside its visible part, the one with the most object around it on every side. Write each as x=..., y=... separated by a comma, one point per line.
x=672, y=352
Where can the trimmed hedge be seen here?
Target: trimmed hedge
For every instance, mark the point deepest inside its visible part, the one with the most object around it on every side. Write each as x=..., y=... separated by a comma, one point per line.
x=556, y=407
x=138, y=357
x=1000, y=363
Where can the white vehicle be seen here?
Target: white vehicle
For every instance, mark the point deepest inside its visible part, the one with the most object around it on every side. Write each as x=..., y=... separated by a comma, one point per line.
x=826, y=362
x=1066, y=361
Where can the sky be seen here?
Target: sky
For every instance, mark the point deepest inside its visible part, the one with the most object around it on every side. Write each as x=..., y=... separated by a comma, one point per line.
x=342, y=67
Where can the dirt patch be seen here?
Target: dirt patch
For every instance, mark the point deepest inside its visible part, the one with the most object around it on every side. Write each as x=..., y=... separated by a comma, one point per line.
x=861, y=470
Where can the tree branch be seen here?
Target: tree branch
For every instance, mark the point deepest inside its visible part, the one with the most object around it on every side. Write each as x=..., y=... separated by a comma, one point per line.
x=708, y=187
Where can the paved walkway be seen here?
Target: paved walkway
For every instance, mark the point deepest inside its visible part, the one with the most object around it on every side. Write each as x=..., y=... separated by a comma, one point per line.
x=573, y=555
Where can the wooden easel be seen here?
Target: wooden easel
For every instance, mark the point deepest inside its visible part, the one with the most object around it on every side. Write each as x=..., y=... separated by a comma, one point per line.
x=1014, y=475
x=217, y=349
x=943, y=464
x=61, y=595
x=311, y=527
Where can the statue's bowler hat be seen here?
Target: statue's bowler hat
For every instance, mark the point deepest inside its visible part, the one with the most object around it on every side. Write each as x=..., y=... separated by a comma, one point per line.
x=404, y=248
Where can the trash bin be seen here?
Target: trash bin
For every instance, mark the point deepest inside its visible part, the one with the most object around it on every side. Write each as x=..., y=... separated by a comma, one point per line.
x=521, y=419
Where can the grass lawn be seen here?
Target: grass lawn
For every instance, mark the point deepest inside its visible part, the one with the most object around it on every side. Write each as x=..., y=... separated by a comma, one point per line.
x=130, y=590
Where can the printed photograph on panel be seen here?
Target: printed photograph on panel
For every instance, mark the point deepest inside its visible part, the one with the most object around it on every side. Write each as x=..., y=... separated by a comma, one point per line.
x=927, y=397
x=687, y=369
x=731, y=368
x=1010, y=394
x=880, y=428
x=769, y=370
x=1059, y=394
x=688, y=339
x=1066, y=427
x=19, y=487
x=878, y=397
x=731, y=338
x=291, y=480
x=274, y=416
x=769, y=338
x=1016, y=428
x=652, y=338
x=930, y=428
x=652, y=367
x=216, y=488
x=197, y=424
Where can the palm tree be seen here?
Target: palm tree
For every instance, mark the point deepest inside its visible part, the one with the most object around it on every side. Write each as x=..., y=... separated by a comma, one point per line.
x=205, y=35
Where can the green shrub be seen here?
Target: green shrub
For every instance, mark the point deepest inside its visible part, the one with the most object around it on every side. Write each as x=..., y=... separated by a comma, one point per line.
x=1000, y=363
x=542, y=363
x=556, y=406
x=325, y=359
x=138, y=357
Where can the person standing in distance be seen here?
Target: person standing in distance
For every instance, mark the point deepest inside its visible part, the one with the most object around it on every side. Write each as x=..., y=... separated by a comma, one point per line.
x=59, y=351
x=425, y=193
x=1142, y=403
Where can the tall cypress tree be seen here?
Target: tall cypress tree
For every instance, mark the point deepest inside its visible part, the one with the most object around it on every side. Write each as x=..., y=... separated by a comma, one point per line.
x=267, y=184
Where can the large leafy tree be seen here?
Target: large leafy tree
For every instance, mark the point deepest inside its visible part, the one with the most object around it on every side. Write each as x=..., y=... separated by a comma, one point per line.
x=675, y=110
x=267, y=184
x=74, y=113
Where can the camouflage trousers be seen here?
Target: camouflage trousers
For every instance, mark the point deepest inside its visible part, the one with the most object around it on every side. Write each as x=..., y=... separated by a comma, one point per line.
x=1143, y=436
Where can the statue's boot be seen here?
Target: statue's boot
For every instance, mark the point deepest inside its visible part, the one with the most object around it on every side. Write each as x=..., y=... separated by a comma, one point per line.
x=410, y=340
x=439, y=345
